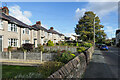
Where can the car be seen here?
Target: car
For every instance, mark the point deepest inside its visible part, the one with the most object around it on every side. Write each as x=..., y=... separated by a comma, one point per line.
x=104, y=47
x=99, y=45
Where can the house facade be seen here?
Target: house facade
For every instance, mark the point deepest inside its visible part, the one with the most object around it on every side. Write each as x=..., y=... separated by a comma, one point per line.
x=117, y=36
x=14, y=32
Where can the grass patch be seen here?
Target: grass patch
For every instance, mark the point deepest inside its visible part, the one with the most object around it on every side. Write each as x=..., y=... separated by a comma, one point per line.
x=9, y=71
x=42, y=71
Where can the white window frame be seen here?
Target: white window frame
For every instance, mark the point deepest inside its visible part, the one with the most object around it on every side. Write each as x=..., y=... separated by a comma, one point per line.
x=12, y=42
x=12, y=27
x=23, y=31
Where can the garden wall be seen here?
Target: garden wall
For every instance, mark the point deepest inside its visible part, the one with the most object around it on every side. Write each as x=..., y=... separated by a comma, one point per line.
x=67, y=48
x=29, y=56
x=76, y=67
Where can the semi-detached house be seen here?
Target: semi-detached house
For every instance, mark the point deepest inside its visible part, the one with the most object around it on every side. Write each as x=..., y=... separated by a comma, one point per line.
x=14, y=32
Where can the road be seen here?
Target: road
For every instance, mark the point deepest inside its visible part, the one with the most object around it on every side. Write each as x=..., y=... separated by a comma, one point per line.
x=104, y=64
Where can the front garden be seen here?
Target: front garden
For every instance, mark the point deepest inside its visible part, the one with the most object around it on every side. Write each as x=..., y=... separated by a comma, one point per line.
x=61, y=57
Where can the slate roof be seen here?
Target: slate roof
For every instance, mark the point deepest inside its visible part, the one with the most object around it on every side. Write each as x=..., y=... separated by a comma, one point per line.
x=55, y=32
x=14, y=20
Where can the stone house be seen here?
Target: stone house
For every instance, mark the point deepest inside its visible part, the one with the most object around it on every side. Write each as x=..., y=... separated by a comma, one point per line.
x=117, y=37
x=14, y=32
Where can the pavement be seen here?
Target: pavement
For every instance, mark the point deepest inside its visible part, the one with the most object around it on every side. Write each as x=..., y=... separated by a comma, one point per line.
x=104, y=64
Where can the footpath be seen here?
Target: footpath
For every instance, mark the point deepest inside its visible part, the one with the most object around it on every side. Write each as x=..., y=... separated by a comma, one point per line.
x=98, y=68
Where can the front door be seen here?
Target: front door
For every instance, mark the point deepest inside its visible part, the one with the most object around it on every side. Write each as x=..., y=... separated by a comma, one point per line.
x=0, y=43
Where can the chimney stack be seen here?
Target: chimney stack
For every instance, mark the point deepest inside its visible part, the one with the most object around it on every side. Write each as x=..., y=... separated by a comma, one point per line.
x=51, y=28
x=5, y=10
x=38, y=22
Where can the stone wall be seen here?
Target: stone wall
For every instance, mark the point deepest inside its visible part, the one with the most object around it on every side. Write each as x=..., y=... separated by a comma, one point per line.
x=76, y=67
x=67, y=48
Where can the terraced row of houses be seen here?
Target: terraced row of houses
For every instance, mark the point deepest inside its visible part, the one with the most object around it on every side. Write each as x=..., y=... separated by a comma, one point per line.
x=14, y=32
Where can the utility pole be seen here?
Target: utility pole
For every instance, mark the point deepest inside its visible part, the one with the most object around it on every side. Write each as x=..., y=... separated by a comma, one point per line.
x=94, y=30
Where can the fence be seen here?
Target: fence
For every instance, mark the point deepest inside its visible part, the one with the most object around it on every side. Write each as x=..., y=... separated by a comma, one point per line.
x=28, y=56
x=67, y=48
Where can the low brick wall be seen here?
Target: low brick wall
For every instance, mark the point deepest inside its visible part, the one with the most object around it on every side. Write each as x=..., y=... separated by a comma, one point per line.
x=76, y=67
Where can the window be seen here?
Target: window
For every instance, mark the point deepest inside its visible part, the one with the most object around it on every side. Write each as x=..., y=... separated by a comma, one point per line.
x=25, y=41
x=1, y=24
x=27, y=31
x=23, y=30
x=12, y=42
x=12, y=27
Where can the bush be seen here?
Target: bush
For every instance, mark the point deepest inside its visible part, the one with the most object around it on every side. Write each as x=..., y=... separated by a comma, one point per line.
x=64, y=57
x=80, y=49
x=77, y=44
x=27, y=46
x=45, y=51
x=48, y=68
x=87, y=45
x=40, y=48
x=50, y=43
x=9, y=48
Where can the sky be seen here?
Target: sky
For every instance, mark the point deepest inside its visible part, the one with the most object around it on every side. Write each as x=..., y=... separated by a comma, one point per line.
x=63, y=16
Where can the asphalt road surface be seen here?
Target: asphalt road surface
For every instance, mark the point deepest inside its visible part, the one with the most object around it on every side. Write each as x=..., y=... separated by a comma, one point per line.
x=104, y=64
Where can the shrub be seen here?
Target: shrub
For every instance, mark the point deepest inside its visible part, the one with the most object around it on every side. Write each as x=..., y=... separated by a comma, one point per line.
x=27, y=46
x=80, y=49
x=9, y=48
x=77, y=44
x=40, y=48
x=87, y=44
x=50, y=43
x=48, y=68
x=45, y=51
x=64, y=57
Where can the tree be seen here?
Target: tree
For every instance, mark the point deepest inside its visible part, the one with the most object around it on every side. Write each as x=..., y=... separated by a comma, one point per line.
x=85, y=28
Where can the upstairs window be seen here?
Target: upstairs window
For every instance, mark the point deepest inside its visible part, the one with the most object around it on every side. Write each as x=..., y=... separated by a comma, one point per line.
x=27, y=31
x=12, y=27
x=1, y=24
x=23, y=30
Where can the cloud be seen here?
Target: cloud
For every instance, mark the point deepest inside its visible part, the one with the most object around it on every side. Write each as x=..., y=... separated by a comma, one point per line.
x=70, y=35
x=110, y=31
x=79, y=13
x=99, y=8
x=23, y=16
x=102, y=8
x=97, y=0
x=28, y=14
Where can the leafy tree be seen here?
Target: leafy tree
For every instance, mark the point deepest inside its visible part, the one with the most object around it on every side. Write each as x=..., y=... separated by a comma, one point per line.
x=50, y=43
x=85, y=28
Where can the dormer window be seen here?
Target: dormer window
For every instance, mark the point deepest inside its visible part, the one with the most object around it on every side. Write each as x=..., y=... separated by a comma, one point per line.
x=1, y=24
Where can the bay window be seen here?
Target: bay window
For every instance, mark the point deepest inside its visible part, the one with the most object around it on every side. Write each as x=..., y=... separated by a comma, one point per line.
x=12, y=42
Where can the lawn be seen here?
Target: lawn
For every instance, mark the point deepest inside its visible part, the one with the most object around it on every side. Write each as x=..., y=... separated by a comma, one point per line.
x=42, y=71
x=19, y=72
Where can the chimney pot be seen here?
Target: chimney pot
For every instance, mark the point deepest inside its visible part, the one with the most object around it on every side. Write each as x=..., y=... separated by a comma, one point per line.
x=51, y=28
x=38, y=22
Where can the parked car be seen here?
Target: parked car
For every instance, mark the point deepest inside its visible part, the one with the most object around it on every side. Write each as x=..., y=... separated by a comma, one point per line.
x=99, y=45
x=104, y=47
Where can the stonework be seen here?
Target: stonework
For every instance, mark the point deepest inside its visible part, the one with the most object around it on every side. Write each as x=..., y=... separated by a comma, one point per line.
x=74, y=68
